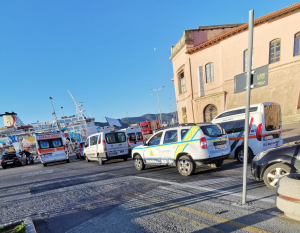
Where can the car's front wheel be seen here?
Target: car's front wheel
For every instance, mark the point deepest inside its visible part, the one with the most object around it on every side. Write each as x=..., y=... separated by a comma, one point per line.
x=186, y=166
x=139, y=163
x=274, y=173
x=86, y=158
x=4, y=167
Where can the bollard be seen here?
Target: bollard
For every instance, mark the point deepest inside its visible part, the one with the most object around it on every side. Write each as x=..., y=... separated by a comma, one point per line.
x=287, y=196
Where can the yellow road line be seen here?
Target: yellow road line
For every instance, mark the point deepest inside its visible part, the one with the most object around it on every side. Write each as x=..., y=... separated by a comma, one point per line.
x=193, y=222
x=217, y=218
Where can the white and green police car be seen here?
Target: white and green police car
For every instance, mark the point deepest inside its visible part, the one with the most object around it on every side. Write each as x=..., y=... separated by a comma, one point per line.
x=184, y=146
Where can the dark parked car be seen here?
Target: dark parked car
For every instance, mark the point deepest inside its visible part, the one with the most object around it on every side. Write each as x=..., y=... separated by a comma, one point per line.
x=12, y=159
x=274, y=163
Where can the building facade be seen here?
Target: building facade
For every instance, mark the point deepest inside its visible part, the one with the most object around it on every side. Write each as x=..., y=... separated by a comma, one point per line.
x=206, y=61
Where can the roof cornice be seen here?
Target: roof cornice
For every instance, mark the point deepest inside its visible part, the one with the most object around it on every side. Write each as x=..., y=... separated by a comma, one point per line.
x=244, y=27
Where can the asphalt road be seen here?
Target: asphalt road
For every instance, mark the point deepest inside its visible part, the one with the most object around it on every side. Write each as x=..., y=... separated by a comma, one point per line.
x=115, y=197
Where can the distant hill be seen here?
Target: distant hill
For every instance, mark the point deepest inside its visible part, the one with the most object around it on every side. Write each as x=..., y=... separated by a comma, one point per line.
x=166, y=117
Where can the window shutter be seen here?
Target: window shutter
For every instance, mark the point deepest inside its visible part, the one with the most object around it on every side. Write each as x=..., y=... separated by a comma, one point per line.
x=211, y=71
x=200, y=81
x=296, y=46
x=207, y=73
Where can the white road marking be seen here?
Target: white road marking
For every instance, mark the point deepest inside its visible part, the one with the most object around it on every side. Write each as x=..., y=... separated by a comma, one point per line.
x=37, y=173
x=207, y=189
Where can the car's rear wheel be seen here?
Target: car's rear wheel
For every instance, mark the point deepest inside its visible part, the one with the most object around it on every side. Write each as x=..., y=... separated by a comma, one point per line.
x=274, y=173
x=239, y=154
x=186, y=166
x=68, y=160
x=4, y=167
x=45, y=164
x=77, y=156
x=139, y=163
x=125, y=158
x=100, y=160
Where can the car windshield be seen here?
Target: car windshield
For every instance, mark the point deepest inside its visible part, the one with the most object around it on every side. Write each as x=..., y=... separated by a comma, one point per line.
x=212, y=130
x=144, y=126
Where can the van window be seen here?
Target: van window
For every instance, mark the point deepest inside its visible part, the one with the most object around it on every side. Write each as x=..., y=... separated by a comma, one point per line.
x=235, y=112
x=170, y=136
x=139, y=136
x=239, y=126
x=50, y=143
x=272, y=117
x=228, y=126
x=131, y=137
x=115, y=137
x=211, y=130
x=93, y=140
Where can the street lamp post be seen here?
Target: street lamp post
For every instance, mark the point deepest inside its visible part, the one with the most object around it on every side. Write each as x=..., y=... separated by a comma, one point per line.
x=158, y=102
x=175, y=109
x=62, y=111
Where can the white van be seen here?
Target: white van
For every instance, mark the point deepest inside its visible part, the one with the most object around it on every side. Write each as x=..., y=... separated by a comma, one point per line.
x=107, y=145
x=265, y=128
x=51, y=148
x=135, y=136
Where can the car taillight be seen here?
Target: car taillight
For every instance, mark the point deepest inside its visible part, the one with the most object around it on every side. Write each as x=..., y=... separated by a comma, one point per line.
x=65, y=149
x=39, y=152
x=259, y=132
x=128, y=142
x=104, y=145
x=79, y=145
x=203, y=143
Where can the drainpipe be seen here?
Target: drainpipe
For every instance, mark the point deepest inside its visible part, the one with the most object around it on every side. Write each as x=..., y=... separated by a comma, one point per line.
x=192, y=90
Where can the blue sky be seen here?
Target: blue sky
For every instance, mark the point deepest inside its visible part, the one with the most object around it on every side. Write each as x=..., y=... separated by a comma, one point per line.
x=109, y=54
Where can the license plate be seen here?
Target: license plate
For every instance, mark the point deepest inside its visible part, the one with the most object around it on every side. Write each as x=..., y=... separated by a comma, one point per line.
x=121, y=151
x=220, y=147
x=47, y=155
x=112, y=153
x=9, y=162
x=269, y=137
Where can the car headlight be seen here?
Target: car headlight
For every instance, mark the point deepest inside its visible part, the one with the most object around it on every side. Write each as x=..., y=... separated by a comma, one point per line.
x=259, y=156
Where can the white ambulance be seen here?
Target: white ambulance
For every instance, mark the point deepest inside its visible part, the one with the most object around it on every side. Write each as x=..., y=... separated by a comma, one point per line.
x=265, y=128
x=51, y=148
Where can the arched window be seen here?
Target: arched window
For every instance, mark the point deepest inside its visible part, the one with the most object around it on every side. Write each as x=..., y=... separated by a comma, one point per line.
x=209, y=70
x=297, y=44
x=210, y=112
x=275, y=51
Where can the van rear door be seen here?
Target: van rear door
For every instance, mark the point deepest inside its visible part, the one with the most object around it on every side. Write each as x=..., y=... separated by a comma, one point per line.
x=116, y=144
x=216, y=142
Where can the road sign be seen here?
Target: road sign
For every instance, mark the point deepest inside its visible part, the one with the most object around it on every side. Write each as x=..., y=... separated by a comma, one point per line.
x=260, y=79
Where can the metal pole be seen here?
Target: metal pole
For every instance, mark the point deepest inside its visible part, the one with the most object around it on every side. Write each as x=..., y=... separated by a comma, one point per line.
x=159, y=108
x=62, y=111
x=54, y=114
x=158, y=101
x=248, y=90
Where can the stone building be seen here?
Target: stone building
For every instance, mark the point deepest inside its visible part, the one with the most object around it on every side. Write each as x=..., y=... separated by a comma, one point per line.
x=206, y=61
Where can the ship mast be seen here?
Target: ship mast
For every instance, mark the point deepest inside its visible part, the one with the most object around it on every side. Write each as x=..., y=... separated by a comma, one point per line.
x=77, y=105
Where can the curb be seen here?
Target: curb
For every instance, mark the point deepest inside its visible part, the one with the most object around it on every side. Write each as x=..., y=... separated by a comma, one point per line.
x=29, y=225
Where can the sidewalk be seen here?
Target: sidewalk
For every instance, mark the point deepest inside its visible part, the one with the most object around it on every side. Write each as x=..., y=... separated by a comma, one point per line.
x=290, y=132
